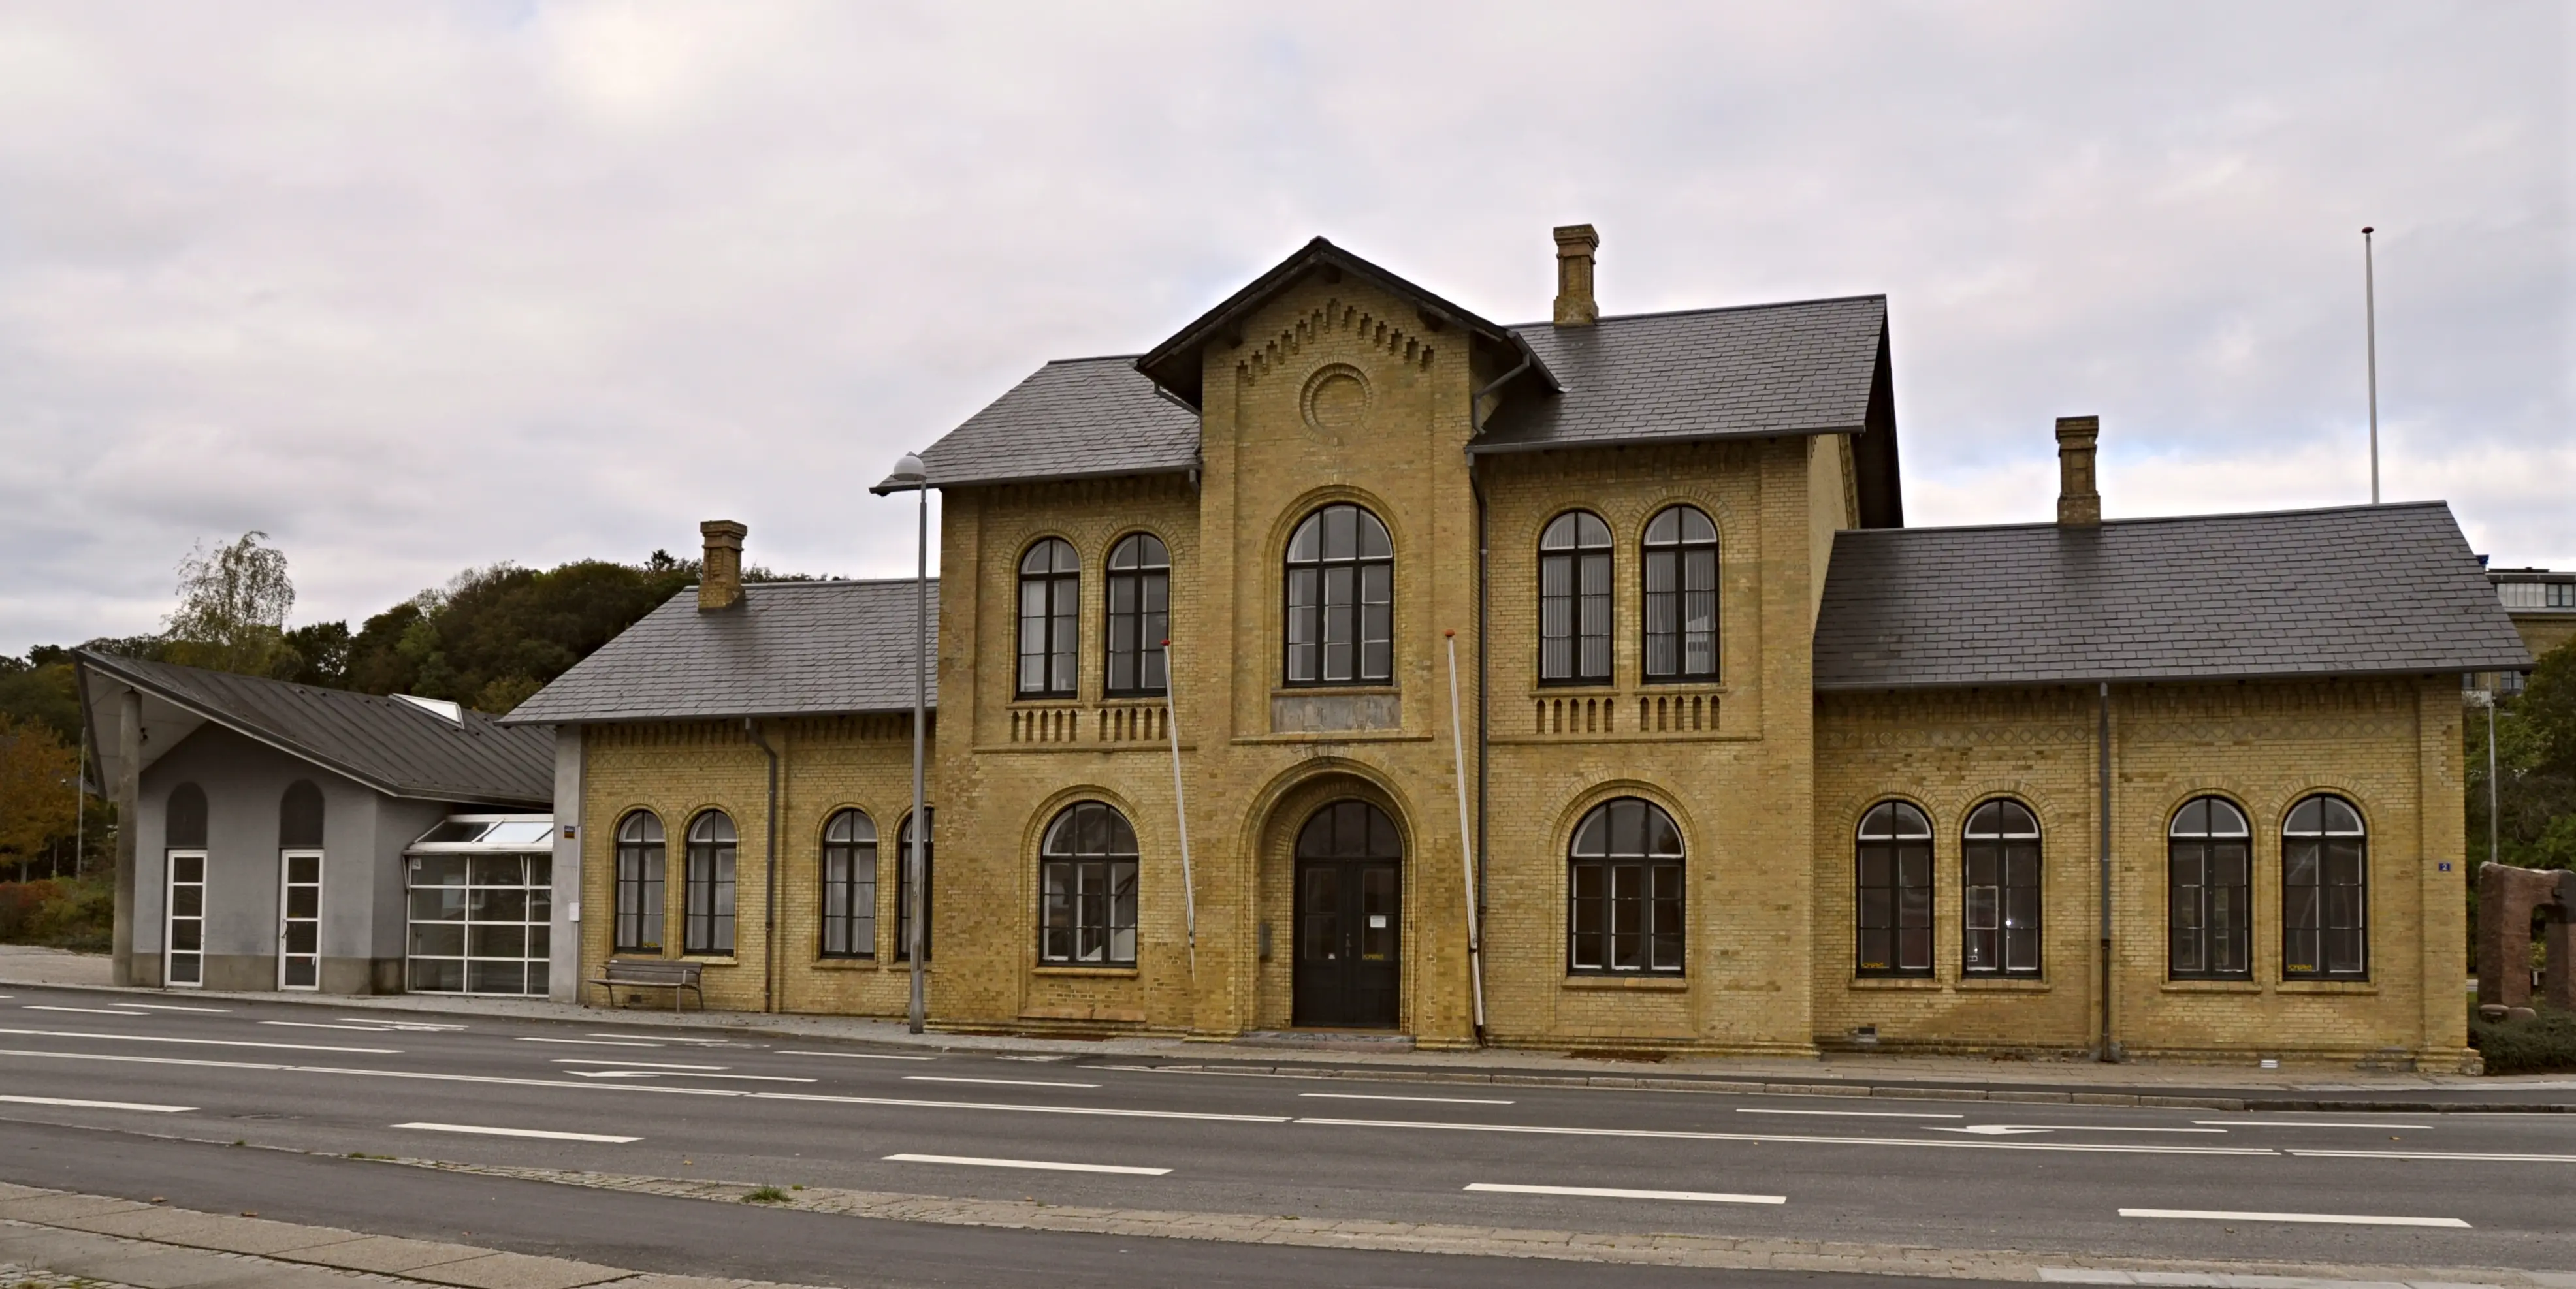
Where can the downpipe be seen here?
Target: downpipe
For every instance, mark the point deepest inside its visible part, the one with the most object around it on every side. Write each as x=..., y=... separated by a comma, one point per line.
x=769, y=867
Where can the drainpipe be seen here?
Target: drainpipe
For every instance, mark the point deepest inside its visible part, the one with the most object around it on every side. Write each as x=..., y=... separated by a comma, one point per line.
x=2106, y=1049
x=769, y=906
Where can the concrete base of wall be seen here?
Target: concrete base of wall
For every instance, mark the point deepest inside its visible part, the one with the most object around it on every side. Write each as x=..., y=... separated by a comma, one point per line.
x=362, y=975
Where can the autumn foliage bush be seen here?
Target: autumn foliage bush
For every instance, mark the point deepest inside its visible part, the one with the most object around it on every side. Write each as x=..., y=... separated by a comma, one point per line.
x=64, y=912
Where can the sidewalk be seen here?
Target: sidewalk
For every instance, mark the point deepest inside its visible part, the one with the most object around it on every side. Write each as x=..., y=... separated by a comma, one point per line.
x=2218, y=1087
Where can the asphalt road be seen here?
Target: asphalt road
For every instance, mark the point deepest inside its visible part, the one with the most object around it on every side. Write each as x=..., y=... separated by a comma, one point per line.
x=1969, y=1174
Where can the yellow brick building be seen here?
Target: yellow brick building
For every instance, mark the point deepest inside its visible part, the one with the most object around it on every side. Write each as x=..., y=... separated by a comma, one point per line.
x=1571, y=685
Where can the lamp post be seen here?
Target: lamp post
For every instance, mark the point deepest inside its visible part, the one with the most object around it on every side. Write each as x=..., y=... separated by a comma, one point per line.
x=908, y=474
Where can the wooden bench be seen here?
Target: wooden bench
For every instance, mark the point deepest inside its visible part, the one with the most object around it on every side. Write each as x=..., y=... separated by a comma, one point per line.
x=652, y=973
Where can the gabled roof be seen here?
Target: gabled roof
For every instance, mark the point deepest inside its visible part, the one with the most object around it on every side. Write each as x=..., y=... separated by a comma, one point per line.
x=1175, y=364
x=1072, y=419
x=2350, y=591
x=396, y=747
x=788, y=649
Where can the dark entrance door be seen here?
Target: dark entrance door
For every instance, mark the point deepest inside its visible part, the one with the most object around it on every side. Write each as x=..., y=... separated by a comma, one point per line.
x=1349, y=923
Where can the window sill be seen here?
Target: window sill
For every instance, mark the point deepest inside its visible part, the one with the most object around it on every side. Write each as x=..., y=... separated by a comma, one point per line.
x=1577, y=688
x=1046, y=700
x=2213, y=987
x=845, y=964
x=1895, y=982
x=2327, y=987
x=1667, y=982
x=2004, y=984
x=711, y=959
x=1306, y=691
x=1079, y=972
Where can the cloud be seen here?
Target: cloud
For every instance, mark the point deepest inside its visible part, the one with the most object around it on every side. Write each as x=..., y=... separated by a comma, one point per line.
x=420, y=287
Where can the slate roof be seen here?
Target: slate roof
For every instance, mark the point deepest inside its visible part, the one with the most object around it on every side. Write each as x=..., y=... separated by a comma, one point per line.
x=390, y=745
x=789, y=649
x=2349, y=591
x=1774, y=369
x=1071, y=419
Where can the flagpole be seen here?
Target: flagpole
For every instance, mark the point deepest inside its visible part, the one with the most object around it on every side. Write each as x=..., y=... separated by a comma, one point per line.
x=1180, y=804
x=1466, y=844
x=2370, y=339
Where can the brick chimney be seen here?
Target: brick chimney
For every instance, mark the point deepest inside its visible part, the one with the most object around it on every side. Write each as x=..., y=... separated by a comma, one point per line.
x=2079, y=497
x=720, y=583
x=1575, y=244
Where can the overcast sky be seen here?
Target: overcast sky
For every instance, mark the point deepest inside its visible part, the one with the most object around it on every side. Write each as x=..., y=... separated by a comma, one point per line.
x=420, y=287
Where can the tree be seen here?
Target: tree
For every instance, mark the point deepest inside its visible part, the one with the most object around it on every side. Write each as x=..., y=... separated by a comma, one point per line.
x=38, y=776
x=232, y=609
x=2535, y=734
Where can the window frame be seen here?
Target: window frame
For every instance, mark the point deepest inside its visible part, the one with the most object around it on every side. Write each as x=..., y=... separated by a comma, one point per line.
x=849, y=901
x=707, y=925
x=1676, y=555
x=638, y=915
x=2322, y=905
x=1317, y=619
x=1587, y=604
x=1149, y=621
x=1971, y=841
x=2243, y=932
x=1077, y=879
x=1058, y=651
x=1656, y=894
x=1898, y=903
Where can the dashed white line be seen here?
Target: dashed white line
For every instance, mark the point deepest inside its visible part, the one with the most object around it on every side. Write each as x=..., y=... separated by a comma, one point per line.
x=308, y=1024
x=518, y=1132
x=676, y=1074
x=585, y=1042
x=431, y=1026
x=635, y=1065
x=98, y=1105
x=1669, y=1135
x=1617, y=1192
x=2427, y=1154
x=167, y=1007
x=861, y=1056
x=2331, y=1219
x=668, y=1038
x=1370, y=1096
x=93, y=1011
x=1008, y=1083
x=2293, y=1123
x=200, y=1042
x=1856, y=1114
x=1039, y=1164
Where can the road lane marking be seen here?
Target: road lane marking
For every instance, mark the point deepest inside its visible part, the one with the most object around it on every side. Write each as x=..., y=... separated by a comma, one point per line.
x=2292, y=1123
x=1008, y=1083
x=166, y=1007
x=518, y=1132
x=585, y=1042
x=1861, y=1114
x=675, y=1074
x=426, y=1026
x=667, y=1038
x=2008, y=1129
x=2332, y=1219
x=2426, y=1154
x=98, y=1105
x=1039, y=1164
x=308, y=1024
x=93, y=1011
x=1615, y=1192
x=202, y=1042
x=635, y=1065
x=1669, y=1135
x=1371, y=1096
x=861, y=1056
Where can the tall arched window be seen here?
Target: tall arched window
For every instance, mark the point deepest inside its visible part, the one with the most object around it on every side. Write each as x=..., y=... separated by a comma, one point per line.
x=2324, y=892
x=1087, y=887
x=903, y=888
x=850, y=885
x=1574, y=600
x=1681, y=595
x=1341, y=599
x=1893, y=899
x=2000, y=910
x=709, y=907
x=1050, y=619
x=184, y=824
x=2209, y=862
x=1624, y=890
x=299, y=817
x=639, y=883
x=1140, y=615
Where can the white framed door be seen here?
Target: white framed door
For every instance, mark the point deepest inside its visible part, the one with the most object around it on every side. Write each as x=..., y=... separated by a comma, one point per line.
x=299, y=920
x=183, y=940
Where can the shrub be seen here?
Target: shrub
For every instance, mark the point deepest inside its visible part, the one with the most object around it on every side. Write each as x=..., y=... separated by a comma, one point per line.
x=63, y=912
x=2546, y=1042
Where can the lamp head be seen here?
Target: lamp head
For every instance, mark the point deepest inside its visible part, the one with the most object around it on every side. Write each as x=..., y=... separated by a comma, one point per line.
x=908, y=471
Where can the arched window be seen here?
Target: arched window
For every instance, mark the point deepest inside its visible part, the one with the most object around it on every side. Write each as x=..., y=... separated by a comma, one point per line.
x=2324, y=892
x=1050, y=591
x=1087, y=887
x=1341, y=599
x=1574, y=600
x=1681, y=595
x=1893, y=902
x=850, y=885
x=709, y=906
x=2000, y=912
x=1140, y=615
x=299, y=817
x=184, y=824
x=1624, y=890
x=903, y=888
x=2209, y=858
x=639, y=883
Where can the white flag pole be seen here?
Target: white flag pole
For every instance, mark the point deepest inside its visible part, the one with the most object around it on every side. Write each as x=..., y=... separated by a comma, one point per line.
x=1180, y=804
x=1466, y=844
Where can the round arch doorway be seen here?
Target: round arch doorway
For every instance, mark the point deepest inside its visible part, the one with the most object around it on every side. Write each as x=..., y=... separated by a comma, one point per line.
x=1350, y=883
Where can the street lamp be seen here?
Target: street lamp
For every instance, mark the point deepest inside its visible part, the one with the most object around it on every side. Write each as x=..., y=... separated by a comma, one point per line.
x=908, y=474
x=2486, y=698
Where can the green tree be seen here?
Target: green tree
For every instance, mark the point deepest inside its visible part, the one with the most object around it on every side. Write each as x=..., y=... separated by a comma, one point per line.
x=232, y=609
x=2535, y=735
x=38, y=776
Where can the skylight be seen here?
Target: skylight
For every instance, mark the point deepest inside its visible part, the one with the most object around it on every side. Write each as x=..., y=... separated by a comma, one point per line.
x=453, y=712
